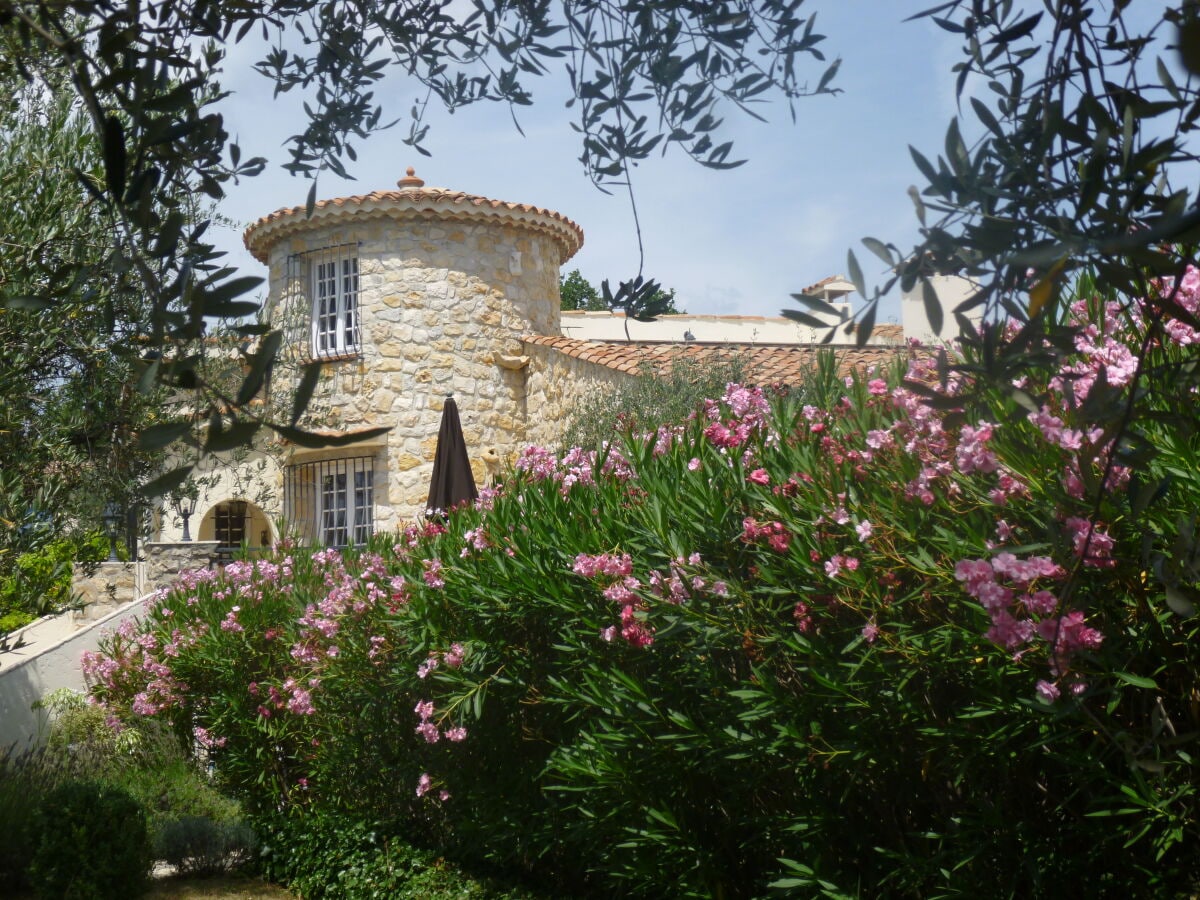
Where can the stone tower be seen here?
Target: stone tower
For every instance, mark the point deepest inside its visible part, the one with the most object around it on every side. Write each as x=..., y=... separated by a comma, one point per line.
x=404, y=297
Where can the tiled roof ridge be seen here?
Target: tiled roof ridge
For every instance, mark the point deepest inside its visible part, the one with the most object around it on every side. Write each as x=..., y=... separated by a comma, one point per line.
x=772, y=364
x=427, y=201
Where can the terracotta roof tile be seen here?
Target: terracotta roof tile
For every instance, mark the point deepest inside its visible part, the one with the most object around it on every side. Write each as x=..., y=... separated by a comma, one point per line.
x=765, y=363
x=429, y=201
x=813, y=288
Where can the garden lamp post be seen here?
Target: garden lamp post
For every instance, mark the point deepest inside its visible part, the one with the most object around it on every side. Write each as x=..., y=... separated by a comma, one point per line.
x=184, y=504
x=112, y=527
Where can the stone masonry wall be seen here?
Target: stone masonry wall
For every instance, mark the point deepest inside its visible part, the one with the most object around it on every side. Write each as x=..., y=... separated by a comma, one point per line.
x=442, y=304
x=553, y=382
x=108, y=586
x=164, y=561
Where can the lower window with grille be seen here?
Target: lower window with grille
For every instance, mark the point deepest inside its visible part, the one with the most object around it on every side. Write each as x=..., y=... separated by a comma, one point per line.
x=332, y=502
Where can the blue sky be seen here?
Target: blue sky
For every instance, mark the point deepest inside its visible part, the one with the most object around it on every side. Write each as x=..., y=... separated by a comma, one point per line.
x=730, y=242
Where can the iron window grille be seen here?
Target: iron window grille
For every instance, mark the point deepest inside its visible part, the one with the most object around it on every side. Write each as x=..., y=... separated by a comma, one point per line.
x=323, y=288
x=332, y=502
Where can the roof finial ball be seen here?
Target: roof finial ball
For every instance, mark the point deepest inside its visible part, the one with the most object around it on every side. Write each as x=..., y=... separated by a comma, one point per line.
x=410, y=180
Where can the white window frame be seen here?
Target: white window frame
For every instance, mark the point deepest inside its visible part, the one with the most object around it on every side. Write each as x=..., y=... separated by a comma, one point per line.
x=332, y=501
x=334, y=288
x=345, y=506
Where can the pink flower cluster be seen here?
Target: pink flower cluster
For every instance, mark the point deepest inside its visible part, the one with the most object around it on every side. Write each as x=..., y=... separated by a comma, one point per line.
x=1008, y=587
x=428, y=729
x=674, y=586
x=433, y=573
x=137, y=667
x=750, y=413
x=621, y=590
x=603, y=564
x=776, y=534
x=839, y=563
x=972, y=453
x=425, y=787
x=577, y=466
x=452, y=658
x=206, y=739
x=1095, y=547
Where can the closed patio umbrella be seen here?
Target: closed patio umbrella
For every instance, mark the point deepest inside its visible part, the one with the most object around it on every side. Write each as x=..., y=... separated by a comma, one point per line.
x=452, y=481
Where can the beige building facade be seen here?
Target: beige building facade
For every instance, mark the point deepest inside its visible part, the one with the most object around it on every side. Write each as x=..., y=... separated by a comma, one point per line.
x=400, y=299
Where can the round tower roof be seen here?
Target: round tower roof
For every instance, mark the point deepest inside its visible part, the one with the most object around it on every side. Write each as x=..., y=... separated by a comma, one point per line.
x=413, y=200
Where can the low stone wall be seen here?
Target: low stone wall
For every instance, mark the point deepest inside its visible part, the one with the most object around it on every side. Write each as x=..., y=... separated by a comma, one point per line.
x=105, y=588
x=164, y=561
x=554, y=381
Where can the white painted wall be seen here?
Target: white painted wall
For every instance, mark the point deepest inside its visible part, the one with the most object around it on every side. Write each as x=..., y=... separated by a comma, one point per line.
x=49, y=660
x=951, y=291
x=605, y=326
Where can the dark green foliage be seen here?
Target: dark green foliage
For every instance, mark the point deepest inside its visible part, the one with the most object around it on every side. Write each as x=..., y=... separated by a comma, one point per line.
x=577, y=293
x=90, y=843
x=37, y=582
x=25, y=777
x=325, y=856
x=648, y=400
x=198, y=845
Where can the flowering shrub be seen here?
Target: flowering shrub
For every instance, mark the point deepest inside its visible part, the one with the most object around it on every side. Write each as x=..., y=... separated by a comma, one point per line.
x=846, y=641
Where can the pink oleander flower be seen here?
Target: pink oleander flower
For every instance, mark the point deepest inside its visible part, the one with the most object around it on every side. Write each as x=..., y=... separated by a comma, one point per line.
x=456, y=734
x=538, y=462
x=206, y=739
x=870, y=632
x=429, y=731
x=972, y=453
x=877, y=387
x=1047, y=691
x=1093, y=545
x=230, y=622
x=759, y=476
x=424, y=784
x=432, y=576
x=1008, y=632
x=603, y=564
x=454, y=656
x=693, y=464
x=864, y=530
x=1041, y=603
x=300, y=703
x=838, y=563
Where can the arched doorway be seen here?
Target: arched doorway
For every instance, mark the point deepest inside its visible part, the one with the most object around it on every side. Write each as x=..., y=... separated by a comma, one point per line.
x=236, y=523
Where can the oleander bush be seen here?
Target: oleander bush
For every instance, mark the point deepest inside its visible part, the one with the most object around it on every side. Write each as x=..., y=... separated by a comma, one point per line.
x=860, y=640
